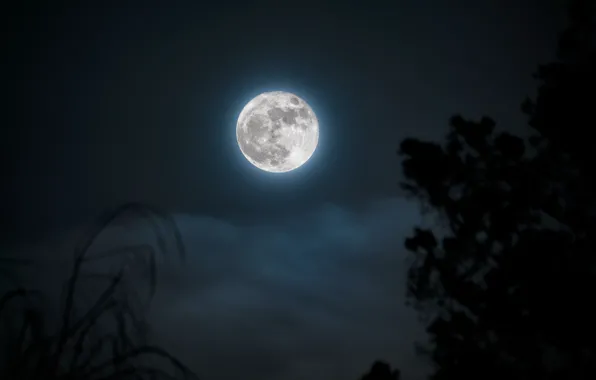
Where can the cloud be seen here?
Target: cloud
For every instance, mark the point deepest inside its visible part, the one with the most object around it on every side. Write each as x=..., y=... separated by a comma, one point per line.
x=318, y=295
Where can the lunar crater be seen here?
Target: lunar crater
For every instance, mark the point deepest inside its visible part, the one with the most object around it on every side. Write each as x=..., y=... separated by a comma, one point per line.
x=277, y=131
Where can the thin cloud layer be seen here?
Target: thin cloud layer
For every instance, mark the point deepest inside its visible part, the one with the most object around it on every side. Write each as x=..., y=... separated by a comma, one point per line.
x=318, y=295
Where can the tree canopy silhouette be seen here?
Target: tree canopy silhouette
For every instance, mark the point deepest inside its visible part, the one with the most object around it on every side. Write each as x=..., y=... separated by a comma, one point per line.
x=510, y=283
x=381, y=371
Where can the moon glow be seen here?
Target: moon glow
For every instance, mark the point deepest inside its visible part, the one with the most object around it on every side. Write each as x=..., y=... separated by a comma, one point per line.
x=277, y=131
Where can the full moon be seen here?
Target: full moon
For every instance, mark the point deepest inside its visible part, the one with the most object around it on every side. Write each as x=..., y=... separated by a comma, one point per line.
x=277, y=131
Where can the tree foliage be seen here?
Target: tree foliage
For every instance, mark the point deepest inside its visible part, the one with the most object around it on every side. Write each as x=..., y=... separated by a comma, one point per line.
x=511, y=284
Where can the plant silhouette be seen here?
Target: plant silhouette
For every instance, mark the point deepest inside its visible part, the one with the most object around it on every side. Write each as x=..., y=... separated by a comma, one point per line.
x=83, y=348
x=509, y=284
x=381, y=371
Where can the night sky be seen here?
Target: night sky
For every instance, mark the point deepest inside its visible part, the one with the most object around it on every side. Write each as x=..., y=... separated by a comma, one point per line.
x=290, y=276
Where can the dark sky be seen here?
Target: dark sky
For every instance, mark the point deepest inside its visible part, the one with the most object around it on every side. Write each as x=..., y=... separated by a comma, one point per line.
x=135, y=101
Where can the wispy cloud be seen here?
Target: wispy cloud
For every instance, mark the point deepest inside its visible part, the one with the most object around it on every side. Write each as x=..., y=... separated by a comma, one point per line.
x=315, y=295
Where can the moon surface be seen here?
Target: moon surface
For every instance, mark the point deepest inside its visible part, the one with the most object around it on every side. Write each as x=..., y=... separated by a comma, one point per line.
x=277, y=131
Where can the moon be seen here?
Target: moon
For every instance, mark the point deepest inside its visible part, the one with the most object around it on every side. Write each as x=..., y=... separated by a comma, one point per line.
x=277, y=131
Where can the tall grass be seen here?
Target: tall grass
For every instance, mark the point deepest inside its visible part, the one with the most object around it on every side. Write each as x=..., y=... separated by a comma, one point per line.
x=107, y=340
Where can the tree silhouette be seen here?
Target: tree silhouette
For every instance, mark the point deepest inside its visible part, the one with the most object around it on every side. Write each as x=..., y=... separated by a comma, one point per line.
x=510, y=284
x=381, y=371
